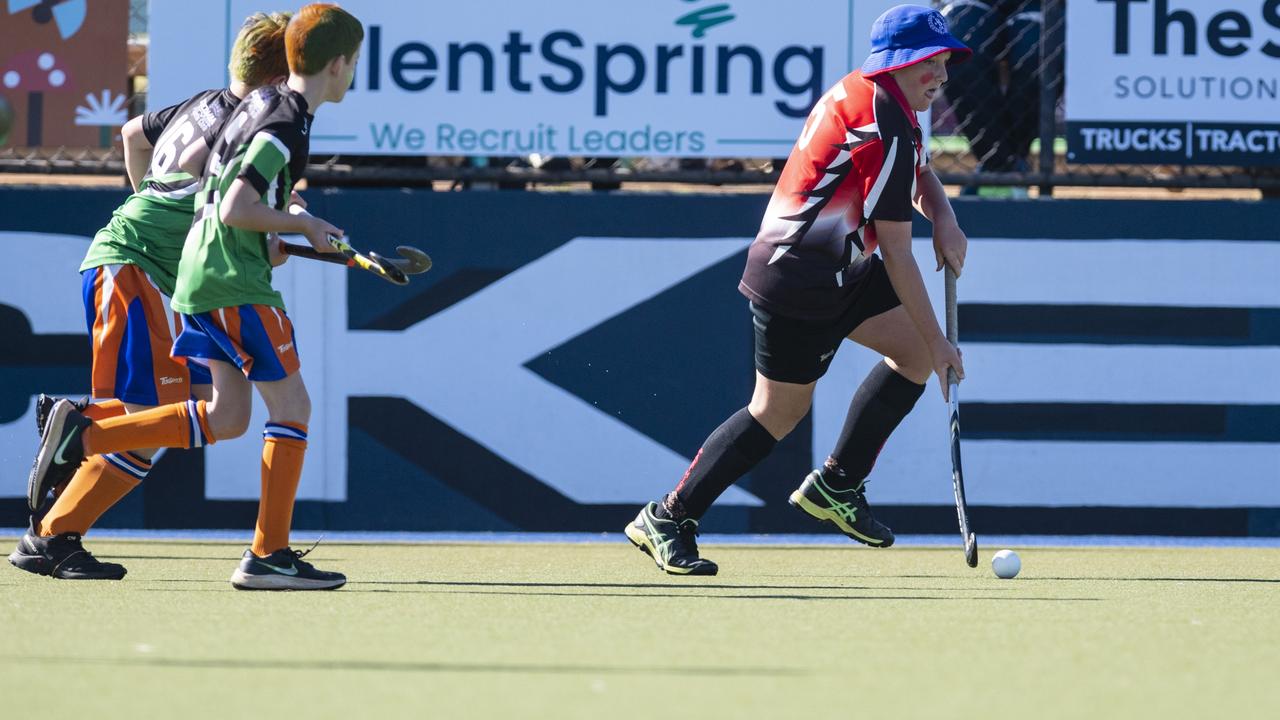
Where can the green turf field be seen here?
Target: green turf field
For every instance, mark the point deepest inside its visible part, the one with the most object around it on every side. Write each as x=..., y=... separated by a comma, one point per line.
x=594, y=631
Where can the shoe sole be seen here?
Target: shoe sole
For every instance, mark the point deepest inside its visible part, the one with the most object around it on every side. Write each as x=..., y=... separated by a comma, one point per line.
x=241, y=580
x=799, y=501
x=40, y=565
x=82, y=576
x=34, y=564
x=44, y=404
x=36, y=490
x=641, y=541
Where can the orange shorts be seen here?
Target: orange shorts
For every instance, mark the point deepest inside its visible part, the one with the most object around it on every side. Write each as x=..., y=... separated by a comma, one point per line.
x=132, y=331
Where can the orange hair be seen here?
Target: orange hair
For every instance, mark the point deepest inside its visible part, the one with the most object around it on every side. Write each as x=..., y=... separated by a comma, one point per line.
x=319, y=33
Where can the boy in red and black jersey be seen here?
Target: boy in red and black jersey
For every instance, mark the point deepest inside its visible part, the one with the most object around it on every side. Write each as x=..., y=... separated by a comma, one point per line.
x=813, y=279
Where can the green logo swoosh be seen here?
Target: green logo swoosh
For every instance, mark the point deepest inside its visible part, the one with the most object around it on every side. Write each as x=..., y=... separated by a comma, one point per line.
x=291, y=570
x=58, y=458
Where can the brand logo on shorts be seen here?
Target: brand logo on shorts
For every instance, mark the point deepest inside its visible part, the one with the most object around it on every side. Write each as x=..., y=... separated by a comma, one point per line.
x=170, y=380
x=284, y=348
x=826, y=356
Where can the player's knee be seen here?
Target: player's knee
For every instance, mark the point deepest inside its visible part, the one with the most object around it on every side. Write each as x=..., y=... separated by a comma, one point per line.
x=914, y=366
x=912, y=360
x=779, y=417
x=227, y=421
x=295, y=408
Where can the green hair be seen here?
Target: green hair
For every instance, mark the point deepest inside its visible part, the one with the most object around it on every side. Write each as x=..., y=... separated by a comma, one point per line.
x=258, y=54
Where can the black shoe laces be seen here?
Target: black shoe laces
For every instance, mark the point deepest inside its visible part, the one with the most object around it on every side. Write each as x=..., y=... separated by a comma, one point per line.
x=299, y=554
x=860, y=495
x=687, y=534
x=73, y=550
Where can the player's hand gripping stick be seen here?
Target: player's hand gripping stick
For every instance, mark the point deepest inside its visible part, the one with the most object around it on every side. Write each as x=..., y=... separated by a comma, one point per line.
x=415, y=261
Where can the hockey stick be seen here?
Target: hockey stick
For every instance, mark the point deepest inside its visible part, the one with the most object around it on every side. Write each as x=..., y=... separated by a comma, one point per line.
x=390, y=273
x=382, y=267
x=412, y=261
x=953, y=395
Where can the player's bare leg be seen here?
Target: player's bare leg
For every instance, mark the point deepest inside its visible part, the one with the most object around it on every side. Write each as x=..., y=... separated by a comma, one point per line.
x=780, y=406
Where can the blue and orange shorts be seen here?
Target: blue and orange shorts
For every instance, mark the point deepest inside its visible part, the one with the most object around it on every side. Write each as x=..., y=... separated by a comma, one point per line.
x=132, y=329
x=258, y=339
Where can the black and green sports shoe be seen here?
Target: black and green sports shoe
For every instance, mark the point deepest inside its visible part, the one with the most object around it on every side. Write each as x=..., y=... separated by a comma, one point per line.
x=672, y=544
x=283, y=570
x=846, y=509
x=61, y=452
x=44, y=405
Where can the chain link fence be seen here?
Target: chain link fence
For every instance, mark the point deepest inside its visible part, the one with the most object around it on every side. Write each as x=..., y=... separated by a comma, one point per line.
x=999, y=129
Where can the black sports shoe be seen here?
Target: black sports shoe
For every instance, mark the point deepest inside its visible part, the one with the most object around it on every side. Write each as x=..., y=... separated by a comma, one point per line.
x=283, y=570
x=61, y=556
x=61, y=451
x=846, y=509
x=672, y=544
x=45, y=403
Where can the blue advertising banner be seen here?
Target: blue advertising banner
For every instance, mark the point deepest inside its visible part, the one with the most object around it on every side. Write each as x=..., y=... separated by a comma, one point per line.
x=568, y=353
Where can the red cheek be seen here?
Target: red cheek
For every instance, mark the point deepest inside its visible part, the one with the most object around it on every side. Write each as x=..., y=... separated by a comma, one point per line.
x=927, y=78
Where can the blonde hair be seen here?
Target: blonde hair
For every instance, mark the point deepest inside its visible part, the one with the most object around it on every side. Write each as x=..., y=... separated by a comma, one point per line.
x=258, y=54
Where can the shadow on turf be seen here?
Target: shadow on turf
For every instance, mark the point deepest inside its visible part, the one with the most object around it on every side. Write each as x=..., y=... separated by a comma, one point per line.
x=220, y=558
x=726, y=596
x=676, y=584
x=692, y=583
x=413, y=667
x=440, y=587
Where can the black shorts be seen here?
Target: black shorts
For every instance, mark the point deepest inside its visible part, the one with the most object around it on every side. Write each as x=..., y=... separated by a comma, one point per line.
x=798, y=351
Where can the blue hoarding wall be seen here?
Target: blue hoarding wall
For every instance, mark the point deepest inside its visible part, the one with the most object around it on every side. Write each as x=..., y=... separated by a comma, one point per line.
x=568, y=353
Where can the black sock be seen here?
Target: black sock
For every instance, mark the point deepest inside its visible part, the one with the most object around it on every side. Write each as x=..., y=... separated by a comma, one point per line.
x=729, y=453
x=881, y=402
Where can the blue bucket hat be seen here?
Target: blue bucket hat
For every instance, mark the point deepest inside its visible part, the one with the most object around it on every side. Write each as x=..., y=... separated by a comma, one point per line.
x=905, y=35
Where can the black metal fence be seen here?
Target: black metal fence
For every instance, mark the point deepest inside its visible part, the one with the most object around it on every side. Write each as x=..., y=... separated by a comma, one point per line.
x=999, y=129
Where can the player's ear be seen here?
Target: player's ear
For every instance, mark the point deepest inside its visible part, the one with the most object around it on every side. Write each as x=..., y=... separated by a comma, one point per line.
x=337, y=66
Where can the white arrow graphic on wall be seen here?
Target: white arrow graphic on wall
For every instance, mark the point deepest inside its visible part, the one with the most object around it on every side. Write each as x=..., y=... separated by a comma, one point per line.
x=465, y=365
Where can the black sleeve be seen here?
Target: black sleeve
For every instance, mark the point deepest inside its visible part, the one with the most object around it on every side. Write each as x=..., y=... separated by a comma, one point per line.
x=272, y=149
x=898, y=175
x=154, y=123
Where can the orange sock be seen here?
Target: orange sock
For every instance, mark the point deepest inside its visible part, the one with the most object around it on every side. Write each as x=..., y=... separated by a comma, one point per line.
x=99, y=483
x=180, y=425
x=103, y=409
x=283, y=449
